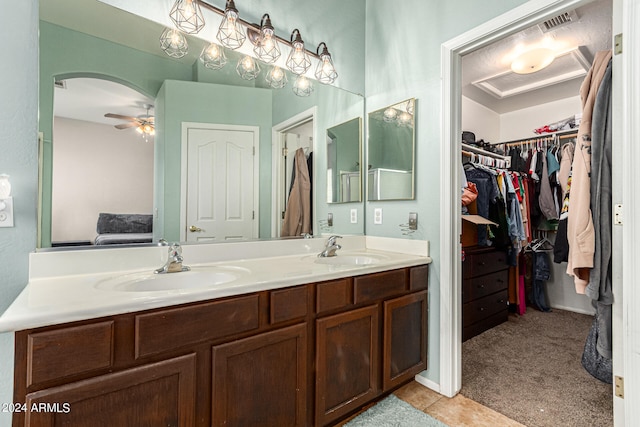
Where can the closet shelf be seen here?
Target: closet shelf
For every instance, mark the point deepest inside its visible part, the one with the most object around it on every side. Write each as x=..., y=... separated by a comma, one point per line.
x=476, y=150
x=561, y=134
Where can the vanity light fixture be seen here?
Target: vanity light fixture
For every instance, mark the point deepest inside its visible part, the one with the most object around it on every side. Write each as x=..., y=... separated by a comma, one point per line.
x=533, y=60
x=230, y=32
x=325, y=71
x=390, y=115
x=405, y=119
x=248, y=68
x=6, y=202
x=266, y=48
x=174, y=43
x=302, y=86
x=276, y=77
x=187, y=16
x=213, y=57
x=298, y=61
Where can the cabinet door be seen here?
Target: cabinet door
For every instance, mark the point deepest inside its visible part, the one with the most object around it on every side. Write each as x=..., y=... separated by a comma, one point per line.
x=261, y=380
x=346, y=362
x=405, y=338
x=157, y=394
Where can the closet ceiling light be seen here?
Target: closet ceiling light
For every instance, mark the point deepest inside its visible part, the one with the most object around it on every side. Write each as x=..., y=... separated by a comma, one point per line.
x=173, y=43
x=230, y=32
x=266, y=48
x=187, y=16
x=533, y=60
x=298, y=61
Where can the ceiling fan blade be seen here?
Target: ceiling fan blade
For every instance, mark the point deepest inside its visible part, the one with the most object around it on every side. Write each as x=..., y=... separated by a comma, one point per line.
x=126, y=125
x=119, y=116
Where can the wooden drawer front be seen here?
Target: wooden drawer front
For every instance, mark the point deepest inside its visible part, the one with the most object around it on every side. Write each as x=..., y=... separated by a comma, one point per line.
x=170, y=329
x=333, y=295
x=477, y=264
x=419, y=278
x=481, y=286
x=379, y=285
x=484, y=307
x=288, y=304
x=69, y=351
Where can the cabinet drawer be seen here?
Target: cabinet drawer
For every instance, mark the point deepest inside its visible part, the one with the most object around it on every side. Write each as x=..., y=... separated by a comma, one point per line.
x=482, y=308
x=333, y=295
x=69, y=351
x=477, y=264
x=419, y=278
x=379, y=285
x=288, y=304
x=481, y=286
x=170, y=329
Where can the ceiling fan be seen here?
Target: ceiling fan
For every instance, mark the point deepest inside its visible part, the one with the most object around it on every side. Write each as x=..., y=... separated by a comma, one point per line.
x=144, y=124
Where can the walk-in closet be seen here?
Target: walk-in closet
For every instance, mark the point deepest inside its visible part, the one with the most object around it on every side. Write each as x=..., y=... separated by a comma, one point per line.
x=535, y=341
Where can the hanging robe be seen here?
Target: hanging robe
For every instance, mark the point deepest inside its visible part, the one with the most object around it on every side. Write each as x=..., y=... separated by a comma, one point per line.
x=297, y=217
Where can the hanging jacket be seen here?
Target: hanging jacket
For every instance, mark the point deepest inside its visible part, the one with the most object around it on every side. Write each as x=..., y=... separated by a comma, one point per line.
x=297, y=217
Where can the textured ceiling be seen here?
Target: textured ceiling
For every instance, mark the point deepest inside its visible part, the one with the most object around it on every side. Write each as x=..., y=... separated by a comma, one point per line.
x=591, y=32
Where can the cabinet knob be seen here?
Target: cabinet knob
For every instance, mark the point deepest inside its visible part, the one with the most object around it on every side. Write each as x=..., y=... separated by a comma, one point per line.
x=480, y=286
x=481, y=308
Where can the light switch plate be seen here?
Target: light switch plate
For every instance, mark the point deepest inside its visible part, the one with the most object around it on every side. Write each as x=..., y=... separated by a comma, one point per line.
x=354, y=216
x=377, y=216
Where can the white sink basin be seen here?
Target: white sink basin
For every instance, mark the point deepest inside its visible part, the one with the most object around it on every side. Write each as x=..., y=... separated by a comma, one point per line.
x=196, y=278
x=350, y=259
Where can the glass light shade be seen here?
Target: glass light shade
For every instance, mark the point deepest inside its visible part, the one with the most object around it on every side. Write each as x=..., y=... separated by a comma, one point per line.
x=302, y=86
x=213, y=57
x=248, y=68
x=533, y=60
x=390, y=115
x=276, y=77
x=230, y=33
x=5, y=186
x=174, y=43
x=405, y=119
x=325, y=71
x=267, y=49
x=187, y=16
x=298, y=61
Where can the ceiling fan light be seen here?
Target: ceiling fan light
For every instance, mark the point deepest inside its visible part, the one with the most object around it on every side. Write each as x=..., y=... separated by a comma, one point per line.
x=230, y=31
x=173, y=43
x=187, y=16
x=532, y=60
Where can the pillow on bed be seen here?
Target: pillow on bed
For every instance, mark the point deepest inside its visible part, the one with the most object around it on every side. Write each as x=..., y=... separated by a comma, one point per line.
x=124, y=223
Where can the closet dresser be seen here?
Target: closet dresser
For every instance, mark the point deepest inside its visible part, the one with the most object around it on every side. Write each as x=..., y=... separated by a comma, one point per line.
x=485, y=280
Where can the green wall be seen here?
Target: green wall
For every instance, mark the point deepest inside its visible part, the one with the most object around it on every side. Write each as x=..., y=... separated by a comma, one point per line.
x=180, y=101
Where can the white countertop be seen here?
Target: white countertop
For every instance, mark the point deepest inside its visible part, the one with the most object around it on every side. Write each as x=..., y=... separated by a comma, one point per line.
x=66, y=286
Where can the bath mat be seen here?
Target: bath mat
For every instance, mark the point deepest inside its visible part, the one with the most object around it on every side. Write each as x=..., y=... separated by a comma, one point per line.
x=393, y=412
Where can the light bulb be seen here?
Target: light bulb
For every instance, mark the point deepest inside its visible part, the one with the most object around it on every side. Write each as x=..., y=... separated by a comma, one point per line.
x=390, y=114
x=276, y=77
x=213, y=57
x=230, y=34
x=298, y=61
x=325, y=72
x=187, y=16
x=302, y=86
x=173, y=43
x=248, y=68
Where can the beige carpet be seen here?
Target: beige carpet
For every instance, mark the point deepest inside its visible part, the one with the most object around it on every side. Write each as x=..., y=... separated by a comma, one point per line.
x=529, y=370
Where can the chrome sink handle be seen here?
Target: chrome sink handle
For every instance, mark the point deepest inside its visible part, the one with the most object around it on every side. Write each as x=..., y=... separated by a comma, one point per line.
x=330, y=247
x=174, y=262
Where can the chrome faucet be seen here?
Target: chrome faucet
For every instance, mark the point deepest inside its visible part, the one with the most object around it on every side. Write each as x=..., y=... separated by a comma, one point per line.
x=330, y=247
x=174, y=263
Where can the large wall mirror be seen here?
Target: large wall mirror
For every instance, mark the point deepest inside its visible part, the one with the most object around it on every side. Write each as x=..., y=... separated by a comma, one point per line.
x=344, y=162
x=391, y=150
x=82, y=40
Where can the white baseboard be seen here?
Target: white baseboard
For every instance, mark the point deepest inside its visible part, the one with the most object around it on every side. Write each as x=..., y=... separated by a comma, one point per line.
x=428, y=383
x=574, y=309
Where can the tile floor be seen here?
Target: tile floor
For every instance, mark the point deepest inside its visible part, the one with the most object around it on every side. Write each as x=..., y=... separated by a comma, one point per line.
x=454, y=412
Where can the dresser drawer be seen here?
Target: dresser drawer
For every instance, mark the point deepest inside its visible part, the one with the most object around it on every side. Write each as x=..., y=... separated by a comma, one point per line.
x=482, y=308
x=478, y=287
x=480, y=263
x=377, y=286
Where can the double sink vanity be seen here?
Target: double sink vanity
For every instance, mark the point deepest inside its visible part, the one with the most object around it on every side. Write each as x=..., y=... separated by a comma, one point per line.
x=269, y=334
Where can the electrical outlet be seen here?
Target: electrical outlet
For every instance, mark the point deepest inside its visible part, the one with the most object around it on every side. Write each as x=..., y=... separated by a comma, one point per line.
x=354, y=216
x=6, y=212
x=377, y=216
x=413, y=220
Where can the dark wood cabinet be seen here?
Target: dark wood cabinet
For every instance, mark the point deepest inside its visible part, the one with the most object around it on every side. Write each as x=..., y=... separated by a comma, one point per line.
x=261, y=380
x=299, y=356
x=157, y=394
x=485, y=279
x=405, y=339
x=346, y=361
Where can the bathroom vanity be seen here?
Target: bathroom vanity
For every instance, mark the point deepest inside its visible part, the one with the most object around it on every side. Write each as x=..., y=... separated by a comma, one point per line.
x=306, y=349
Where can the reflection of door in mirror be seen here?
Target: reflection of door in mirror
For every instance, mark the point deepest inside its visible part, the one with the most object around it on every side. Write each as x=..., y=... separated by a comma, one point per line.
x=220, y=193
x=299, y=137
x=100, y=164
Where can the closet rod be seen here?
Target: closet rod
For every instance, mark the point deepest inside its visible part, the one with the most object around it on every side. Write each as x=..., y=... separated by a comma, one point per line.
x=470, y=148
x=572, y=133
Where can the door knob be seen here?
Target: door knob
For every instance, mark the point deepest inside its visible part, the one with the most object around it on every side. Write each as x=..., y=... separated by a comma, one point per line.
x=193, y=229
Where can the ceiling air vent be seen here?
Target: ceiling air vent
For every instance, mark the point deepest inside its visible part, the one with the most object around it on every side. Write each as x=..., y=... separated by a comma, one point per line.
x=557, y=21
x=60, y=84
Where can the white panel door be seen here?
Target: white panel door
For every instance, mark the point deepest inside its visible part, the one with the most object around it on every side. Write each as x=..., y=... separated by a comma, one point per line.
x=220, y=185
